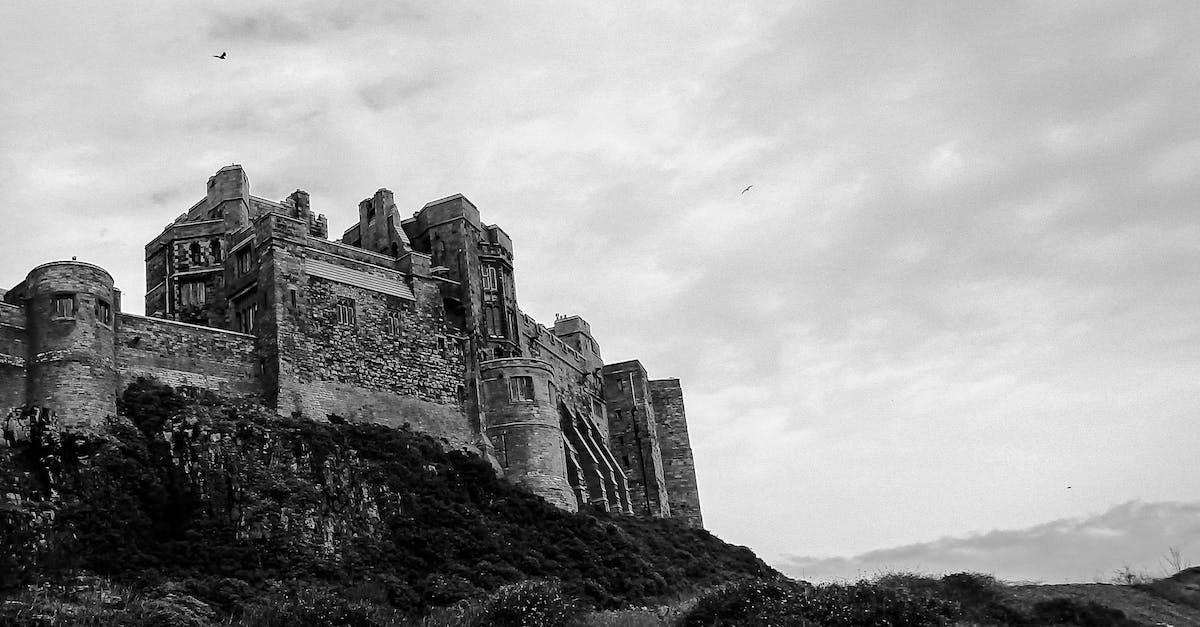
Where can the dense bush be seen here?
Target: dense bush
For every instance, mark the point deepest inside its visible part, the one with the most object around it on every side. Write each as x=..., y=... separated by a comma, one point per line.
x=898, y=600
x=1065, y=611
x=223, y=498
x=831, y=605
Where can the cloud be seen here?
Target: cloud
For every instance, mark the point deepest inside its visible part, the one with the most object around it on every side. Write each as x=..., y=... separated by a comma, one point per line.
x=1135, y=535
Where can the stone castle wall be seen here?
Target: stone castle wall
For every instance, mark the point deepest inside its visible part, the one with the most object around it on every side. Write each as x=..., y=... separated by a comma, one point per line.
x=184, y=354
x=345, y=347
x=378, y=328
x=13, y=352
x=679, y=469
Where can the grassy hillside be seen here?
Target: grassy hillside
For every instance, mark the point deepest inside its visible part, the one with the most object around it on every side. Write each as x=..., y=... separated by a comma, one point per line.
x=225, y=503
x=195, y=510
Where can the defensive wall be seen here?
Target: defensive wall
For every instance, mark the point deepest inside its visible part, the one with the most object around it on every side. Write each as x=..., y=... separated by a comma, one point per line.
x=405, y=320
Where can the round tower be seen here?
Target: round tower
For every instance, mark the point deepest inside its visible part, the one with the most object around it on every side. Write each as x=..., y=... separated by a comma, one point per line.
x=71, y=310
x=522, y=423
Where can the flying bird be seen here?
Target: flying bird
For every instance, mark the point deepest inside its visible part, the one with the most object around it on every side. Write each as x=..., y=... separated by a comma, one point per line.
x=219, y=56
x=747, y=189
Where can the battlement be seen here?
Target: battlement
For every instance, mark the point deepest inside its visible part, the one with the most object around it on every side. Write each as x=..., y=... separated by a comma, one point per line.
x=404, y=321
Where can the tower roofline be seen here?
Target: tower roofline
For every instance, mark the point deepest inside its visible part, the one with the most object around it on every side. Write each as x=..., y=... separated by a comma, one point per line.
x=71, y=262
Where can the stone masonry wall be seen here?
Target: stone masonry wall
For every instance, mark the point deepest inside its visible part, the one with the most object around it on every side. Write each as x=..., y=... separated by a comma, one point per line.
x=13, y=352
x=634, y=437
x=392, y=363
x=679, y=470
x=182, y=354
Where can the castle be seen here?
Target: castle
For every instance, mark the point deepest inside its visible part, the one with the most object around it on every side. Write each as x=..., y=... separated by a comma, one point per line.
x=404, y=320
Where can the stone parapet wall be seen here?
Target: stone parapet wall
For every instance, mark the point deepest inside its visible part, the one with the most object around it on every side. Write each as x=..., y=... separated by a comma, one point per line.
x=183, y=354
x=13, y=352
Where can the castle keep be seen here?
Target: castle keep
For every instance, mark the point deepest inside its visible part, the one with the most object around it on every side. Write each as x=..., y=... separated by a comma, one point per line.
x=404, y=320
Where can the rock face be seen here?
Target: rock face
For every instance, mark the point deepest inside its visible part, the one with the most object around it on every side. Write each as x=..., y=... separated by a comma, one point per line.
x=188, y=485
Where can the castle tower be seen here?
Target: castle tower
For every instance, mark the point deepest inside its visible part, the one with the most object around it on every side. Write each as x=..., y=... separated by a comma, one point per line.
x=229, y=197
x=577, y=333
x=71, y=312
x=522, y=423
x=633, y=436
x=679, y=470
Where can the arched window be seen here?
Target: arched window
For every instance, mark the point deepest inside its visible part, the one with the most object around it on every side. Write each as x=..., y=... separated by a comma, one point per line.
x=439, y=253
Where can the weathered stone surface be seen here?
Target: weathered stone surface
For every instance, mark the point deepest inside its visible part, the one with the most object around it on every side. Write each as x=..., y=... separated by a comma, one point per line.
x=391, y=325
x=679, y=470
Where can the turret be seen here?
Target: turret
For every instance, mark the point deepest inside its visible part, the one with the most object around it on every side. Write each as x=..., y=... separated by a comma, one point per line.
x=229, y=193
x=71, y=313
x=522, y=422
x=577, y=334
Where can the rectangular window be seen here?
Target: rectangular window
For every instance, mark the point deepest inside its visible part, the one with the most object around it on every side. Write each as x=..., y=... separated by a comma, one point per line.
x=520, y=388
x=64, y=306
x=393, y=322
x=495, y=324
x=192, y=294
x=441, y=342
x=550, y=391
x=502, y=449
x=345, y=311
x=597, y=408
x=104, y=312
x=244, y=261
x=292, y=295
x=489, y=278
x=246, y=317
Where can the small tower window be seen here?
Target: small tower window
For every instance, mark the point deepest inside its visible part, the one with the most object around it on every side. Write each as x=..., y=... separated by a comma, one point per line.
x=520, y=388
x=393, y=322
x=104, y=312
x=246, y=317
x=196, y=254
x=192, y=294
x=489, y=278
x=64, y=306
x=438, y=256
x=215, y=248
x=495, y=321
x=345, y=311
x=243, y=262
x=502, y=449
x=371, y=216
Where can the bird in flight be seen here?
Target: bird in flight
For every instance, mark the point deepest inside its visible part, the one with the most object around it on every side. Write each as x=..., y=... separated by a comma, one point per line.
x=219, y=56
x=747, y=189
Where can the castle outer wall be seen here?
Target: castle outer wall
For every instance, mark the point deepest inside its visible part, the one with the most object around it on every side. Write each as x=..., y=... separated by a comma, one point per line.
x=406, y=320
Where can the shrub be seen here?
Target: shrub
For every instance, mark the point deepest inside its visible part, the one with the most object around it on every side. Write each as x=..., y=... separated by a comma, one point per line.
x=1067, y=611
x=832, y=605
x=530, y=603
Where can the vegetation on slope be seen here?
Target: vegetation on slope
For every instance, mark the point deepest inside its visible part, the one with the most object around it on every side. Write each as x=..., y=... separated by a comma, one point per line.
x=229, y=504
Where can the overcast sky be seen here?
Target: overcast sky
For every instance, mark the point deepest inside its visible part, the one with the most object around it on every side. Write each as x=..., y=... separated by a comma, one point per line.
x=952, y=325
